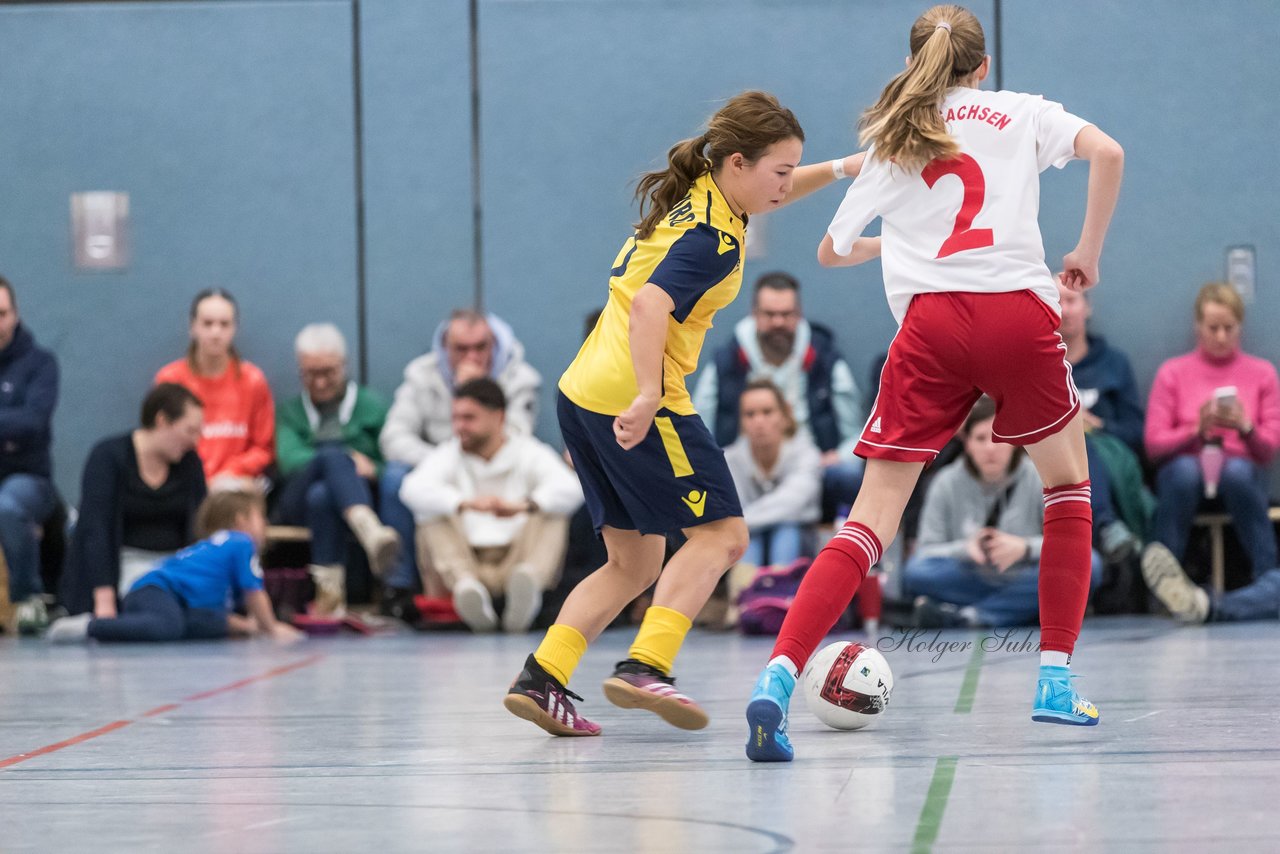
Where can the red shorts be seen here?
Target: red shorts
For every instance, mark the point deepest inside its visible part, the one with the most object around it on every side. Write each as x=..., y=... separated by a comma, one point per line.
x=951, y=349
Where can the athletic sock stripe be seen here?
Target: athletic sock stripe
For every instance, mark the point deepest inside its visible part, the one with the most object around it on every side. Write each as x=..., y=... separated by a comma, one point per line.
x=863, y=538
x=872, y=557
x=1085, y=496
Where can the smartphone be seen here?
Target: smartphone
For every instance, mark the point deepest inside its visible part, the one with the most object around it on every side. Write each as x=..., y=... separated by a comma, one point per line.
x=1224, y=396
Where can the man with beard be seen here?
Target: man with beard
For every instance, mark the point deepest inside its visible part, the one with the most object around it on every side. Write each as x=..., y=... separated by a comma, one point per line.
x=776, y=342
x=492, y=510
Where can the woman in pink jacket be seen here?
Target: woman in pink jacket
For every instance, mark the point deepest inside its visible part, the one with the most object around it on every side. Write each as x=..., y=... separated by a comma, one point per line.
x=1215, y=394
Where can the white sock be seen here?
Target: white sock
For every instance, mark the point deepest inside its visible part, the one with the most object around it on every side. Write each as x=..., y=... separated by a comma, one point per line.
x=1053, y=658
x=787, y=664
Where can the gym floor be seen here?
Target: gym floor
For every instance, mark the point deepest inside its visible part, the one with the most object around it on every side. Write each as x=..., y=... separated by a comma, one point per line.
x=400, y=743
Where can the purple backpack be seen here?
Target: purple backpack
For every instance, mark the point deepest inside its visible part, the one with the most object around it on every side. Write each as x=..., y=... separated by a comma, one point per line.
x=763, y=604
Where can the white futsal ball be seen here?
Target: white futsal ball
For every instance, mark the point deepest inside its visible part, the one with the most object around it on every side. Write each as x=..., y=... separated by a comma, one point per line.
x=847, y=685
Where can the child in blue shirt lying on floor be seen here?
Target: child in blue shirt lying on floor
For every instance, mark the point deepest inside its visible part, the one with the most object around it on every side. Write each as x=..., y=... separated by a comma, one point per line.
x=190, y=595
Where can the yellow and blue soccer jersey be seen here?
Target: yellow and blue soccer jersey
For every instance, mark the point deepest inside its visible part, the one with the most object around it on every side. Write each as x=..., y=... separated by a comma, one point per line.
x=695, y=255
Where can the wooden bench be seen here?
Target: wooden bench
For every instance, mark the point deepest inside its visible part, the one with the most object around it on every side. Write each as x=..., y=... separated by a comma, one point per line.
x=288, y=534
x=1217, y=524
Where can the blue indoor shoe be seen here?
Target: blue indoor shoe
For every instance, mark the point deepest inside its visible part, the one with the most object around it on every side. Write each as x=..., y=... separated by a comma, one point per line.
x=1058, y=703
x=767, y=716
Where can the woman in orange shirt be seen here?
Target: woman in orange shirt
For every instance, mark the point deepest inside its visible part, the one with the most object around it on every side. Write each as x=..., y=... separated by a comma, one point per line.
x=238, y=441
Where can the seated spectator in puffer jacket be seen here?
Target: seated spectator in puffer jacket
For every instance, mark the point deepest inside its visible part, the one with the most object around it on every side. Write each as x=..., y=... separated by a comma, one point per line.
x=493, y=512
x=467, y=346
x=977, y=558
x=778, y=473
x=776, y=342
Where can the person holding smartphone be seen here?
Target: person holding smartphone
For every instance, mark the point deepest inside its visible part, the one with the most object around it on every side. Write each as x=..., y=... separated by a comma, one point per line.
x=1215, y=395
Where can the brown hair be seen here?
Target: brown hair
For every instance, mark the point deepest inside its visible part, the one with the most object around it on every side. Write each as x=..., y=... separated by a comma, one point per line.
x=170, y=400
x=906, y=124
x=984, y=409
x=765, y=384
x=210, y=293
x=1222, y=294
x=5, y=285
x=221, y=510
x=747, y=124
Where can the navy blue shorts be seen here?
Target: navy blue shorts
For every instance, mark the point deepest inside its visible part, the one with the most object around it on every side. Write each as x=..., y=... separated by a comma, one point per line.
x=674, y=479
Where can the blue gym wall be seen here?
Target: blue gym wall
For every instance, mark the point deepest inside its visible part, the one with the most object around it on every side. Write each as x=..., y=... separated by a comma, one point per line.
x=232, y=125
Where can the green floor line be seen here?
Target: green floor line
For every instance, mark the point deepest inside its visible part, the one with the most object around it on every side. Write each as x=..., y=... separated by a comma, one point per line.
x=969, y=687
x=935, y=803
x=944, y=772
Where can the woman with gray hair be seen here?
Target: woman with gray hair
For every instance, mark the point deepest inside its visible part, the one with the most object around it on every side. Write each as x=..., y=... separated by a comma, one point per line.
x=327, y=452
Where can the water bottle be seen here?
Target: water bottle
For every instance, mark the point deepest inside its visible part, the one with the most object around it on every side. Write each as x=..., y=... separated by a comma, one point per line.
x=1211, y=459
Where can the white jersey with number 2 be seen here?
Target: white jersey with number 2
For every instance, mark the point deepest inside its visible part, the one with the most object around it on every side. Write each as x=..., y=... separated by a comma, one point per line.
x=969, y=223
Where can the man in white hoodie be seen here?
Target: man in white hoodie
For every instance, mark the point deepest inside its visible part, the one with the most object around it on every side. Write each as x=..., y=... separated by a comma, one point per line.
x=492, y=508
x=467, y=346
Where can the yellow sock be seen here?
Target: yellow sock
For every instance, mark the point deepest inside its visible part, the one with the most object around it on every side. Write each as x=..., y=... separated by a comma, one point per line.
x=560, y=651
x=660, y=636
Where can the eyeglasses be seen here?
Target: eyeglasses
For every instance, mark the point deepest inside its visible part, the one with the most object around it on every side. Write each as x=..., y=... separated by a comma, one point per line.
x=470, y=348
x=331, y=372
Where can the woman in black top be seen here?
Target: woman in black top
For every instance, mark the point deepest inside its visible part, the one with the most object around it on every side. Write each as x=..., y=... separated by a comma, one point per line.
x=138, y=497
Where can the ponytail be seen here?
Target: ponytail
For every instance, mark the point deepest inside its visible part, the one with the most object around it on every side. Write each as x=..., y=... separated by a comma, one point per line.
x=660, y=191
x=905, y=125
x=747, y=124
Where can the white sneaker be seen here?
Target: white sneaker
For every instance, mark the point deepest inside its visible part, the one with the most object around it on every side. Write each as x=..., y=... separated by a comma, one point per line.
x=69, y=629
x=524, y=600
x=1166, y=579
x=474, y=605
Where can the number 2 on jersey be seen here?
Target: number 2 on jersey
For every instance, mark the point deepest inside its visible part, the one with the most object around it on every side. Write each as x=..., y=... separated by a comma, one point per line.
x=968, y=171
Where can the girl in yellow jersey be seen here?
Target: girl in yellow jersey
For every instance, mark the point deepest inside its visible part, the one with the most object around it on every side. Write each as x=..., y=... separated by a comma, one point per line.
x=648, y=465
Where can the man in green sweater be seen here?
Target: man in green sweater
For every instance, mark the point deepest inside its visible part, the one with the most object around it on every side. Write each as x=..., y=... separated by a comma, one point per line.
x=327, y=453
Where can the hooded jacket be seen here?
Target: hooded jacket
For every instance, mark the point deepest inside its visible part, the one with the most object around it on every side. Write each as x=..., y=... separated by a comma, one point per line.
x=28, y=396
x=421, y=414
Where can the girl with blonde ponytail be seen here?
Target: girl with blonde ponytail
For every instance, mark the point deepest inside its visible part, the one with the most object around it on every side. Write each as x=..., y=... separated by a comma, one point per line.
x=953, y=174
x=648, y=464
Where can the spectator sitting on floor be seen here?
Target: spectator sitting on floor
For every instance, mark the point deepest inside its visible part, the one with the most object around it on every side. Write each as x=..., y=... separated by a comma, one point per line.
x=776, y=342
x=778, y=473
x=188, y=596
x=238, y=442
x=138, y=500
x=28, y=396
x=327, y=451
x=977, y=557
x=467, y=346
x=1215, y=394
x=493, y=512
x=1112, y=413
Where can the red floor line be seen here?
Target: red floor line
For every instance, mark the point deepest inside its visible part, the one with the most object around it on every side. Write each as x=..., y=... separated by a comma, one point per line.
x=84, y=736
x=158, y=710
x=270, y=674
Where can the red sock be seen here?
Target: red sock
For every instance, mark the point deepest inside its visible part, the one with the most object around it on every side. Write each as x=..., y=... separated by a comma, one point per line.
x=1065, y=560
x=826, y=591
